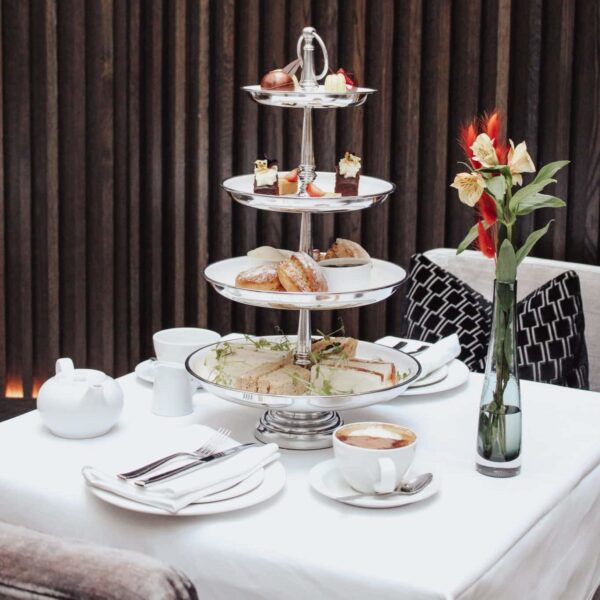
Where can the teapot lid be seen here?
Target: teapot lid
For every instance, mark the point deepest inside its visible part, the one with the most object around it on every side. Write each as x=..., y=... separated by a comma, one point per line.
x=67, y=373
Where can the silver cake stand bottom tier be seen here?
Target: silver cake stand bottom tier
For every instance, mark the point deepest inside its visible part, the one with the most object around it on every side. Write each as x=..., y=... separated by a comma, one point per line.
x=298, y=431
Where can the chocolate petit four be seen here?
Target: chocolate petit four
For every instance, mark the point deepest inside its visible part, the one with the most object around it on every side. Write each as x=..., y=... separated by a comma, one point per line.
x=347, y=175
x=265, y=177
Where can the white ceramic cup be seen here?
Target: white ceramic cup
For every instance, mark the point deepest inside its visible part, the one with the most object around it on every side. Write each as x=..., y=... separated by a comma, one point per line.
x=346, y=274
x=371, y=470
x=172, y=391
x=175, y=345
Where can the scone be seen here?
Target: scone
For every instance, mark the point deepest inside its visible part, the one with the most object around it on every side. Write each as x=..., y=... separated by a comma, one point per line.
x=263, y=278
x=290, y=380
x=301, y=273
x=342, y=248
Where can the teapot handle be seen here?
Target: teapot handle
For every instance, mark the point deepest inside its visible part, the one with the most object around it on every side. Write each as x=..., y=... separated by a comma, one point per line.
x=64, y=365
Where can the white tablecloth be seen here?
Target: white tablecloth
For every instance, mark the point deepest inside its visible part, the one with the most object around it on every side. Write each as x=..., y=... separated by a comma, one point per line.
x=533, y=536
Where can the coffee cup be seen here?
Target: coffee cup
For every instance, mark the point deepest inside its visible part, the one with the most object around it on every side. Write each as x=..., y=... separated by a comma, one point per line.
x=373, y=457
x=175, y=345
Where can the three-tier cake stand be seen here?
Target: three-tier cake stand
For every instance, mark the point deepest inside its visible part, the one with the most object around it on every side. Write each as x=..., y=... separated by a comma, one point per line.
x=307, y=422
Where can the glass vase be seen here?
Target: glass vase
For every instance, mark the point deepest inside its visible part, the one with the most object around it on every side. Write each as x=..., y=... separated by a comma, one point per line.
x=499, y=428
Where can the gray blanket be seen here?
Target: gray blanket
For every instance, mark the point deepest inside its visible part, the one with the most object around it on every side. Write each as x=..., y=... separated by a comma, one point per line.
x=35, y=565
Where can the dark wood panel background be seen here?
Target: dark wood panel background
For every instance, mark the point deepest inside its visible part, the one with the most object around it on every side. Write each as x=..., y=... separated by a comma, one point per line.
x=120, y=118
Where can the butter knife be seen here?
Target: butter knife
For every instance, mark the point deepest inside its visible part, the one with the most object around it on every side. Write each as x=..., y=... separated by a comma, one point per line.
x=193, y=465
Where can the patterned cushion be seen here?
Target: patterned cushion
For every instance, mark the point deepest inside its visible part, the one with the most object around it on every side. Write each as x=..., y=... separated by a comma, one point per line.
x=550, y=340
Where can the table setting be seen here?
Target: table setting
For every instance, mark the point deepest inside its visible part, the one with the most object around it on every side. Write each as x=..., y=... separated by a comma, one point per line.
x=317, y=464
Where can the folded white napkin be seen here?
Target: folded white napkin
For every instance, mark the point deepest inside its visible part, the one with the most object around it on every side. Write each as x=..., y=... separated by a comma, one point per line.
x=175, y=494
x=438, y=354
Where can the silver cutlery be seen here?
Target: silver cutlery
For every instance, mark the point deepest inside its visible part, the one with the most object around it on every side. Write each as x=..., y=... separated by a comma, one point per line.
x=193, y=465
x=405, y=488
x=206, y=449
x=419, y=349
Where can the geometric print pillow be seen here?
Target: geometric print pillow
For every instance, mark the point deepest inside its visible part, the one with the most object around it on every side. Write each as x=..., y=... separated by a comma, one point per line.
x=550, y=323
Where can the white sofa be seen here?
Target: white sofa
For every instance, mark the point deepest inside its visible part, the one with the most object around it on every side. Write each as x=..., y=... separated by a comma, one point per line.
x=477, y=271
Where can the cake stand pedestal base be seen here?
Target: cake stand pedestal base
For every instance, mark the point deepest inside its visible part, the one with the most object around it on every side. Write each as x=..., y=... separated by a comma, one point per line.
x=298, y=431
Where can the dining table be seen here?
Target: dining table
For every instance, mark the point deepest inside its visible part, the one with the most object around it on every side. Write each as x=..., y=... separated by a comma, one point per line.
x=536, y=535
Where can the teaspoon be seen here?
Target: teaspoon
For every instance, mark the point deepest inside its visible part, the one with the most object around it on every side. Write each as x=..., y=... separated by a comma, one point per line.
x=404, y=488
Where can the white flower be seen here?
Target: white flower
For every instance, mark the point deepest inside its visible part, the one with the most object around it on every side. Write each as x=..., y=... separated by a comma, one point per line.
x=519, y=162
x=484, y=151
x=470, y=186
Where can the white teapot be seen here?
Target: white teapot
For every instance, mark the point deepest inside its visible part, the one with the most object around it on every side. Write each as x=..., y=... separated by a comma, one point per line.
x=79, y=403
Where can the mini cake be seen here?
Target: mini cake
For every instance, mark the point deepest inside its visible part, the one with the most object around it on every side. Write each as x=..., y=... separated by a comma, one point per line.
x=265, y=177
x=335, y=84
x=279, y=81
x=288, y=184
x=347, y=175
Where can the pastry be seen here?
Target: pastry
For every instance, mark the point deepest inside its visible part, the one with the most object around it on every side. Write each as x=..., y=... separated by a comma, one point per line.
x=350, y=79
x=288, y=183
x=301, y=273
x=240, y=365
x=335, y=84
x=278, y=80
x=265, y=177
x=347, y=175
x=289, y=380
x=263, y=278
x=268, y=254
x=338, y=348
x=342, y=248
x=317, y=192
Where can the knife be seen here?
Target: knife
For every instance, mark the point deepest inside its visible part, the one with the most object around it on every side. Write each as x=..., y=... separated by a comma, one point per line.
x=193, y=465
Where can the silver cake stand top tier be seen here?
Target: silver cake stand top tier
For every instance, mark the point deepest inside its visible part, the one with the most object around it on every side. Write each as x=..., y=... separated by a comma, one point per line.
x=317, y=98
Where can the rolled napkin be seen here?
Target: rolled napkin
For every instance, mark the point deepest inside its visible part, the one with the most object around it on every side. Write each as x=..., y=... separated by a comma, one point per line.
x=438, y=354
x=175, y=494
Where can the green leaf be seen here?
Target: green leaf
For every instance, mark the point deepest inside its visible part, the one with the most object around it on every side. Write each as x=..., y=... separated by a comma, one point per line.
x=530, y=242
x=506, y=265
x=548, y=171
x=469, y=239
x=536, y=201
x=503, y=170
x=528, y=190
x=496, y=186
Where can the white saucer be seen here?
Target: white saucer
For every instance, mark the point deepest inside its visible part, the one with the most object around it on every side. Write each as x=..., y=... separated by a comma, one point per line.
x=326, y=479
x=433, y=377
x=272, y=483
x=144, y=371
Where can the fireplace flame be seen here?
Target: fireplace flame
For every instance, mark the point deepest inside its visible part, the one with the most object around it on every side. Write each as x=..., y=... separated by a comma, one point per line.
x=13, y=388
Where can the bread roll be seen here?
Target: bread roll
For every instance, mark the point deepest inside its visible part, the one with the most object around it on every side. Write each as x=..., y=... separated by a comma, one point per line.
x=263, y=278
x=346, y=249
x=300, y=273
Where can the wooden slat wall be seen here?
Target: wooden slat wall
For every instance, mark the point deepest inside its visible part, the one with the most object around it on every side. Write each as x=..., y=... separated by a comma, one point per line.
x=118, y=120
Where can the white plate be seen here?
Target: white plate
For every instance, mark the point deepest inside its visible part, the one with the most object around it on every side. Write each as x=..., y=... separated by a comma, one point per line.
x=386, y=278
x=443, y=379
x=326, y=479
x=144, y=371
x=371, y=191
x=458, y=373
x=274, y=480
x=433, y=377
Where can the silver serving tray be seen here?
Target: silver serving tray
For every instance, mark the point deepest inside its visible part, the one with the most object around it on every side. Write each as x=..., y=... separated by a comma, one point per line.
x=372, y=191
x=386, y=278
x=305, y=99
x=310, y=404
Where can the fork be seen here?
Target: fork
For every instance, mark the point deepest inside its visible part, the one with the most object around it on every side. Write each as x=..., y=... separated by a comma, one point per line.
x=207, y=448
